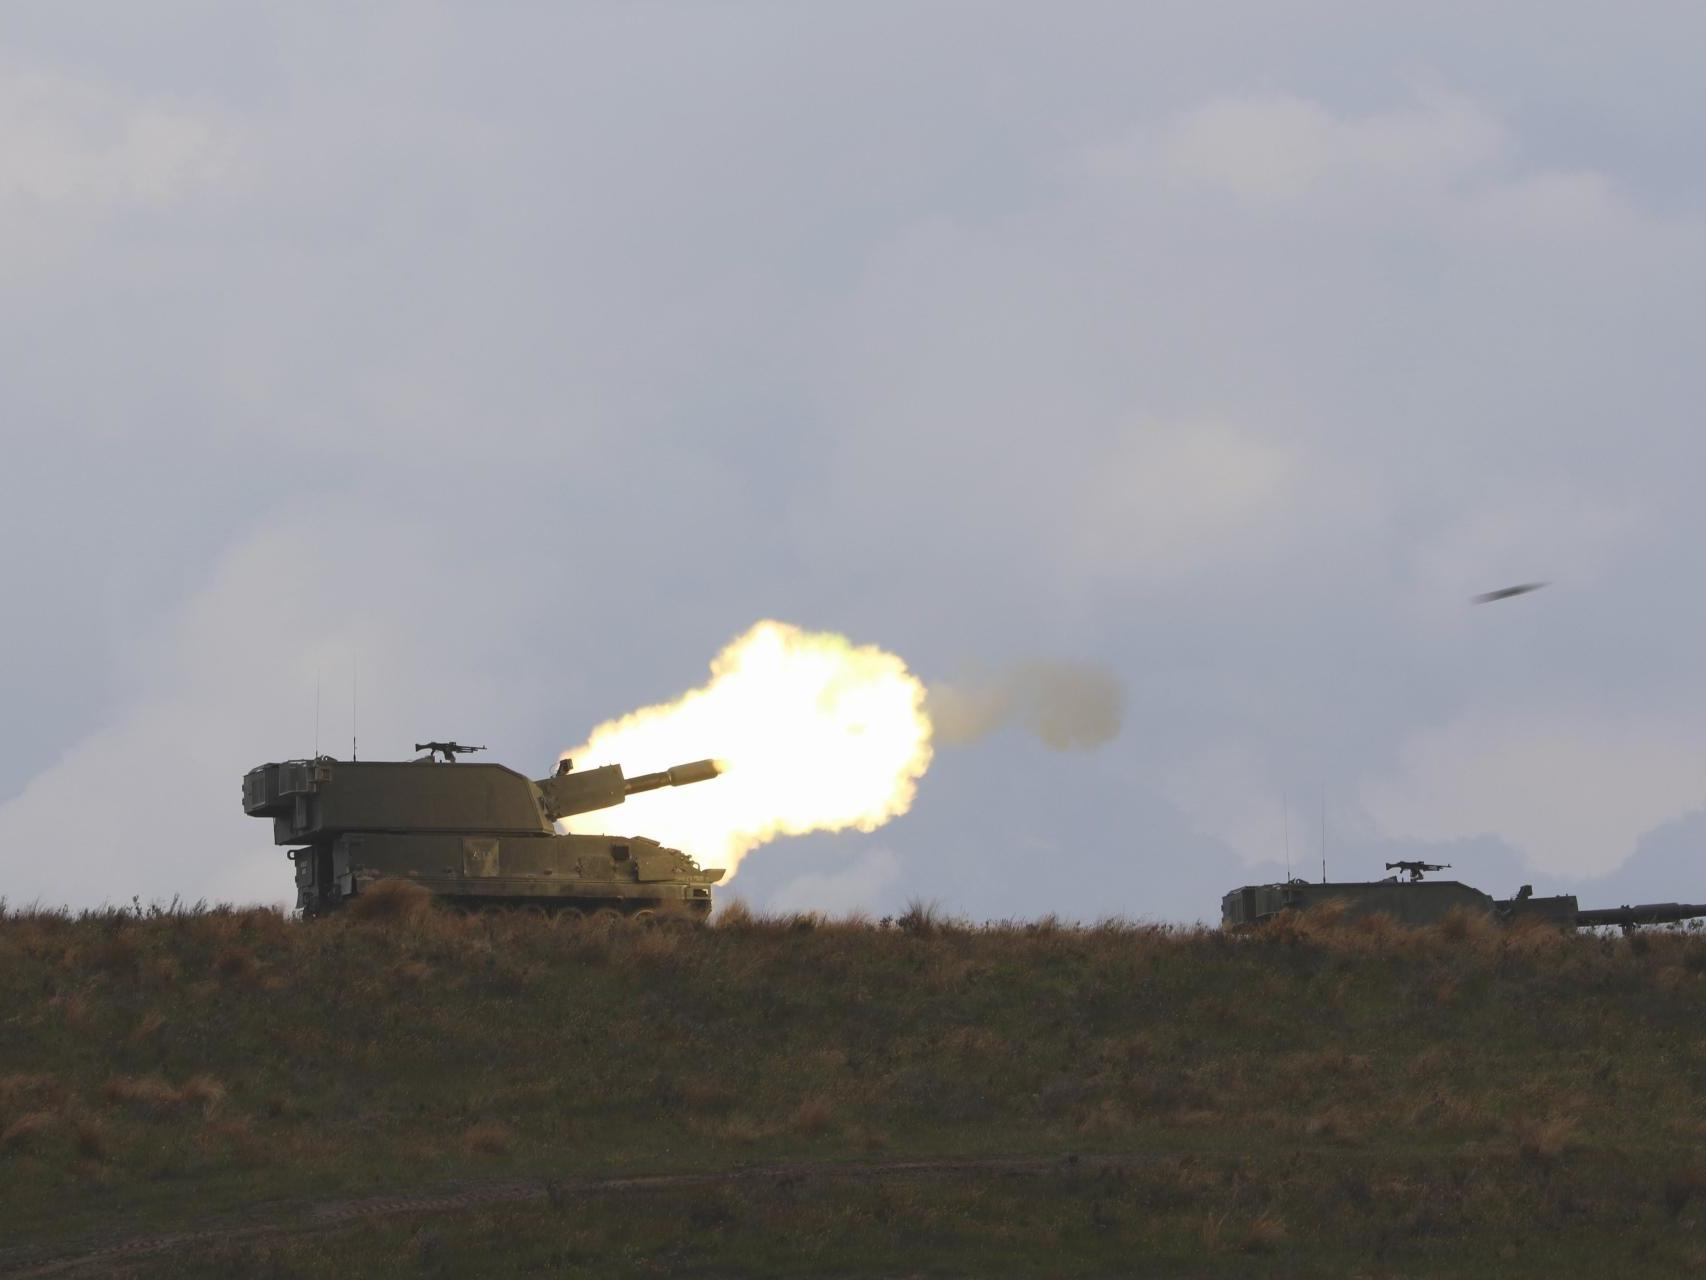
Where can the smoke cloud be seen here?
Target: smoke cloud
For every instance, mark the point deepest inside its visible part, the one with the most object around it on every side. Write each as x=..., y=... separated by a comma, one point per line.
x=1071, y=706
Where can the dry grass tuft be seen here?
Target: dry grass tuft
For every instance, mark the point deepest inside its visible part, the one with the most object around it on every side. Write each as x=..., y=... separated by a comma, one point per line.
x=233, y=1137
x=589, y=943
x=1105, y=1118
x=73, y=1008
x=1680, y=1187
x=737, y=1128
x=1429, y=1064
x=973, y=1041
x=814, y=1115
x=1441, y=1111
x=1474, y=929
x=204, y=1091
x=159, y=1097
x=488, y=1139
x=150, y=1024
x=89, y=1138
x=412, y=972
x=1198, y=1118
x=657, y=945
x=698, y=1094
x=1327, y=916
x=33, y=1085
x=1535, y=938
x=1543, y=1140
x=1332, y=1125
x=1262, y=1235
x=866, y=1138
x=147, y=1093
x=1313, y=1066
x=735, y=916
x=391, y=902
x=922, y=919
x=118, y=953
x=1694, y=954
x=27, y=1129
x=237, y=964
x=1323, y=925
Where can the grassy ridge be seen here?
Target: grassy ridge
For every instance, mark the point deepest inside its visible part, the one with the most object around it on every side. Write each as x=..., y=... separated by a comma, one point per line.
x=1326, y=1095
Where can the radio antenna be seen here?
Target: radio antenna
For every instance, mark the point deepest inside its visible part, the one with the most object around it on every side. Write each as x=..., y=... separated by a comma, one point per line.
x=1285, y=802
x=317, y=678
x=352, y=707
x=1323, y=835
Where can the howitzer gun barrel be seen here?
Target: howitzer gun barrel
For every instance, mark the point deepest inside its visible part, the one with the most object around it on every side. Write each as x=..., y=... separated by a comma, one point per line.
x=570, y=791
x=680, y=776
x=1645, y=913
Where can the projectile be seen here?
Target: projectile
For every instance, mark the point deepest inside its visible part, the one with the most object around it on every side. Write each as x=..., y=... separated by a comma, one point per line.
x=1505, y=593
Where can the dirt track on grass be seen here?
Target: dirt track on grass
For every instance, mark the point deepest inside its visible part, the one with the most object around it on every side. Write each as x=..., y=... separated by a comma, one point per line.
x=282, y=1219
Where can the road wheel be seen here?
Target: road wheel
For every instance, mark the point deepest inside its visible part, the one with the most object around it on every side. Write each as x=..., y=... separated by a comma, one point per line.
x=535, y=914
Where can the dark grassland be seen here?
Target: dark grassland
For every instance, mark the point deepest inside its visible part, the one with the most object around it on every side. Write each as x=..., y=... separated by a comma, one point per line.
x=1324, y=1098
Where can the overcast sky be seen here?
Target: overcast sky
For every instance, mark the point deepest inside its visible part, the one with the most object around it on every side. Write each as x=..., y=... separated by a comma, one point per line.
x=519, y=356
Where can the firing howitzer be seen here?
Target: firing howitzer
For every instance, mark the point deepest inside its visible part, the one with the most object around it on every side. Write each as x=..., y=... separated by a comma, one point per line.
x=481, y=835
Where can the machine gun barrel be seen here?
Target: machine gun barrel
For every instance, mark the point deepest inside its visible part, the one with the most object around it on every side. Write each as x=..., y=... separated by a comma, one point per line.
x=1645, y=913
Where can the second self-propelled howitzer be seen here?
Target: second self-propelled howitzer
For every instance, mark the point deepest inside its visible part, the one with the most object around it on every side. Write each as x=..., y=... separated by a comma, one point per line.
x=476, y=834
x=1410, y=899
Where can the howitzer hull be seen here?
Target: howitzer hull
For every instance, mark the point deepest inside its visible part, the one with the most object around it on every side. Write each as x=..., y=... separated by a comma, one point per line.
x=568, y=872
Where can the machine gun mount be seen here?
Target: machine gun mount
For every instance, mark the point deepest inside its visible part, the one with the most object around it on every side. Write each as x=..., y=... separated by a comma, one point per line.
x=1417, y=869
x=449, y=750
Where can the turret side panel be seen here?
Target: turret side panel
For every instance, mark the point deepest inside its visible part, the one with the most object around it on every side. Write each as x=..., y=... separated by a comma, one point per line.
x=1411, y=903
x=484, y=798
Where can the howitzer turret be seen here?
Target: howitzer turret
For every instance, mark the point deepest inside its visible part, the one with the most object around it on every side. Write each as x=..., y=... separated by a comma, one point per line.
x=475, y=833
x=1411, y=899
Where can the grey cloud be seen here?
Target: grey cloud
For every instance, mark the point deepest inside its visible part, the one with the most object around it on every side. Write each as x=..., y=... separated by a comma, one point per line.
x=585, y=336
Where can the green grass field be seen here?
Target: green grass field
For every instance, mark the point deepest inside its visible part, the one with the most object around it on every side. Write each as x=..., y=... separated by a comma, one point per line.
x=1323, y=1098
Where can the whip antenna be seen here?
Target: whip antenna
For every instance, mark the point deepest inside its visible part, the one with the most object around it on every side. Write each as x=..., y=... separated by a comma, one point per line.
x=1323, y=835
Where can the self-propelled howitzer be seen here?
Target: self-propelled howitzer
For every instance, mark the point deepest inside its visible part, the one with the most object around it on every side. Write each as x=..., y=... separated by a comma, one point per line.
x=477, y=834
x=1411, y=899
